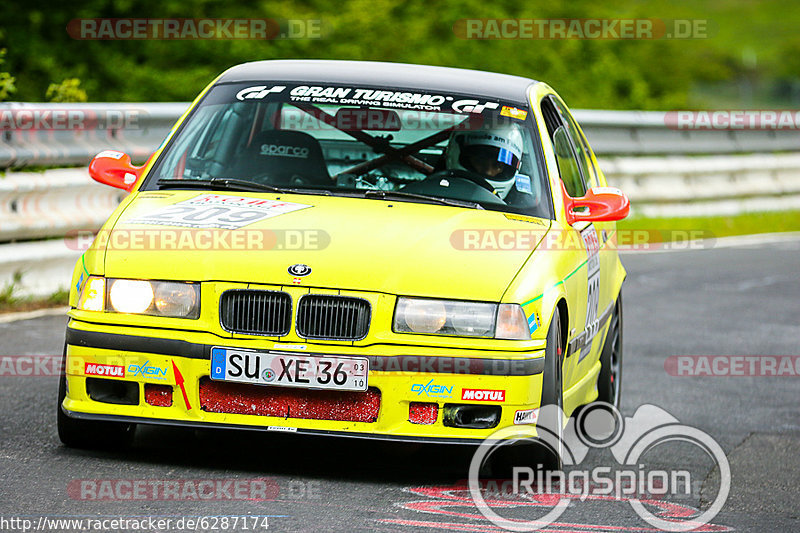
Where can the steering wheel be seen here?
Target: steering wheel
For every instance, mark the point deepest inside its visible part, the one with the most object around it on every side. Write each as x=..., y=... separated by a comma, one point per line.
x=477, y=179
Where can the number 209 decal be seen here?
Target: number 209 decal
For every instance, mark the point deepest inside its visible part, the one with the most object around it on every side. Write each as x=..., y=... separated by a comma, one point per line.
x=217, y=211
x=589, y=236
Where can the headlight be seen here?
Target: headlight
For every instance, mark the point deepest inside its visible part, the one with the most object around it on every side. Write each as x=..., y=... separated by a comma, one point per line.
x=466, y=319
x=176, y=299
x=130, y=295
x=141, y=297
x=420, y=316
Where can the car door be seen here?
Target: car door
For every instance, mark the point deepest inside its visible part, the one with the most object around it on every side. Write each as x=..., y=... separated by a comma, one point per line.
x=603, y=230
x=582, y=239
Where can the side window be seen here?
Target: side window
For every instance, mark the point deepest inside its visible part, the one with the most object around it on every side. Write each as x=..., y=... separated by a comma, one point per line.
x=579, y=142
x=571, y=166
x=567, y=165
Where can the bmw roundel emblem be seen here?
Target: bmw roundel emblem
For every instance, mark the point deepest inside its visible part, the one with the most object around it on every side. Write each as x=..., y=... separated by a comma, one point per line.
x=300, y=270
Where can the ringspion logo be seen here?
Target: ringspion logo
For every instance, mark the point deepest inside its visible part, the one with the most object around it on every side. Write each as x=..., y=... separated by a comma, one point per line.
x=629, y=439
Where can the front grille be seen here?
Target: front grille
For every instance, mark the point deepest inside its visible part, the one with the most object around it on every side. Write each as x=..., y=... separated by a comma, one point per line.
x=256, y=312
x=321, y=316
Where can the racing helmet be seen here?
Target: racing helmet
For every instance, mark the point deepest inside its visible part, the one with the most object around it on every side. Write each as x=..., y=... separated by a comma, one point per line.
x=494, y=153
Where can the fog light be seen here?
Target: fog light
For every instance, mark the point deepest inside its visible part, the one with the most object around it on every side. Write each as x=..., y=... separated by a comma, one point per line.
x=471, y=416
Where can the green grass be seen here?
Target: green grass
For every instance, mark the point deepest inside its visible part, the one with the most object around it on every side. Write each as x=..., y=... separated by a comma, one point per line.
x=10, y=302
x=717, y=226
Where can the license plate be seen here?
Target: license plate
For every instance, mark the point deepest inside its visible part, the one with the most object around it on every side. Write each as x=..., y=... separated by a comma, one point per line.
x=288, y=370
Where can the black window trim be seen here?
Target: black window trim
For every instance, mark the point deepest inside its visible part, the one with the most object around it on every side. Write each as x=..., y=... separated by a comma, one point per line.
x=551, y=100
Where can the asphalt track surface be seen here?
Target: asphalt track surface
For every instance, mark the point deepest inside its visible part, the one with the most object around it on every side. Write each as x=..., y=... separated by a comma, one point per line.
x=739, y=300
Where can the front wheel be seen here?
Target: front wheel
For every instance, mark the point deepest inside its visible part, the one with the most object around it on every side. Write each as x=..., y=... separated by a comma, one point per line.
x=609, y=382
x=545, y=451
x=550, y=422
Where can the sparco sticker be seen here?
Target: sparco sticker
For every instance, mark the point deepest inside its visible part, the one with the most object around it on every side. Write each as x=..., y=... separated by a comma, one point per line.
x=217, y=211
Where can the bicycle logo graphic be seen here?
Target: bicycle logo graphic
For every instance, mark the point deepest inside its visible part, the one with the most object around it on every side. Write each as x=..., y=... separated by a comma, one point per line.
x=601, y=425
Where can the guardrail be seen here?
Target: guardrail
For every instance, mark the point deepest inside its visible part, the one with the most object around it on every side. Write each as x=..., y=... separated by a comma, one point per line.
x=638, y=153
x=35, y=205
x=71, y=134
x=648, y=133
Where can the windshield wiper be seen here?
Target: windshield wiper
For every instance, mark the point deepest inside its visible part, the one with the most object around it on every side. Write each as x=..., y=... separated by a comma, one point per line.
x=248, y=186
x=233, y=185
x=217, y=183
x=400, y=195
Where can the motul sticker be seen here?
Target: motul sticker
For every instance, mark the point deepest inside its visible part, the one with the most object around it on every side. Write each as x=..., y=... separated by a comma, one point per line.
x=113, y=371
x=483, y=395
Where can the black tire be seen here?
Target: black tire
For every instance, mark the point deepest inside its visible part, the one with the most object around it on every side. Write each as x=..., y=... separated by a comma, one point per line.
x=89, y=434
x=609, y=382
x=553, y=392
x=534, y=453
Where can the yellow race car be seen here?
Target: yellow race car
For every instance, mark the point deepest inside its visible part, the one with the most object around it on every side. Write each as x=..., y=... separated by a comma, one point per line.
x=355, y=249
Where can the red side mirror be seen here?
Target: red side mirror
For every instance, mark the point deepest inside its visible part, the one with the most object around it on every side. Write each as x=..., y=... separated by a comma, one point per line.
x=603, y=204
x=114, y=168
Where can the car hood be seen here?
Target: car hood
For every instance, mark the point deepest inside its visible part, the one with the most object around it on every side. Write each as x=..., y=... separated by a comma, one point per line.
x=348, y=243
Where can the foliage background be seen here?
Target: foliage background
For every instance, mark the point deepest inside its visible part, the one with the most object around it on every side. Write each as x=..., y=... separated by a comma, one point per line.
x=751, y=61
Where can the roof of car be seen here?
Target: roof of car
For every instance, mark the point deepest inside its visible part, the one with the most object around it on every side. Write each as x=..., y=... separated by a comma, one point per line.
x=379, y=74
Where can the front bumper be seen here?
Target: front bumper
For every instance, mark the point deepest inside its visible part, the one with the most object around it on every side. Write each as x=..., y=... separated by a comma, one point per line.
x=178, y=363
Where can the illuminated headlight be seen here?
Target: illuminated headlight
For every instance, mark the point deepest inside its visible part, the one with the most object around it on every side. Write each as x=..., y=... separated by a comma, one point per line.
x=130, y=295
x=465, y=319
x=141, y=297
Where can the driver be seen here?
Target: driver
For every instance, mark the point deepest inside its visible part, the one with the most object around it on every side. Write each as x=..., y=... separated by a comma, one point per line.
x=495, y=154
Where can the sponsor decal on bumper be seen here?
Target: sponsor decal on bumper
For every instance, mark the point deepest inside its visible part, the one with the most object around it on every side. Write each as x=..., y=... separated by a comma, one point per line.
x=527, y=416
x=114, y=371
x=483, y=395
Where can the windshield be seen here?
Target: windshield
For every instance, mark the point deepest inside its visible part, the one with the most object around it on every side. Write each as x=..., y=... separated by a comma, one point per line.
x=407, y=145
